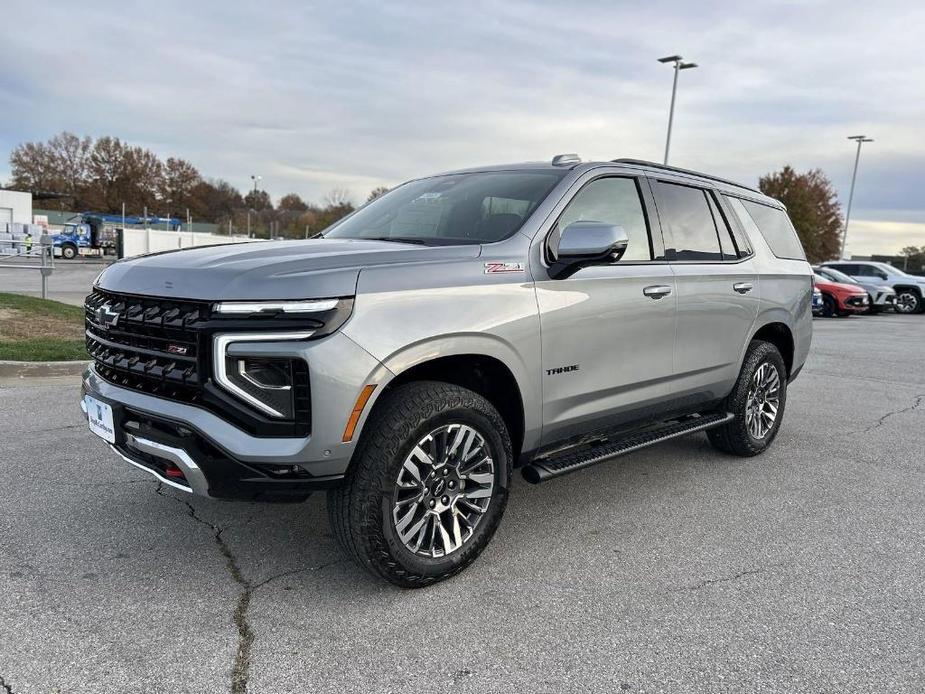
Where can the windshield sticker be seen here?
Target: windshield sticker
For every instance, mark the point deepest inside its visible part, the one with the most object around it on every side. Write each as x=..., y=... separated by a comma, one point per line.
x=498, y=268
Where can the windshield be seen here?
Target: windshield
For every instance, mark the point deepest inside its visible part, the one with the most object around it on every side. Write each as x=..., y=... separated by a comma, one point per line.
x=470, y=208
x=886, y=269
x=837, y=276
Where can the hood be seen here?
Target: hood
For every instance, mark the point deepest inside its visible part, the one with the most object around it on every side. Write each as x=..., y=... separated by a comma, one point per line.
x=840, y=287
x=311, y=269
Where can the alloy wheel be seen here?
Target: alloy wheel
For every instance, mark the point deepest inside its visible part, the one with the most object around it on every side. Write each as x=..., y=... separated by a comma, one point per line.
x=906, y=302
x=443, y=490
x=763, y=401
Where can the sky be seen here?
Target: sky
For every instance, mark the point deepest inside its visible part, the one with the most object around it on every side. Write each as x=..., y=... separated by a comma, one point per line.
x=313, y=96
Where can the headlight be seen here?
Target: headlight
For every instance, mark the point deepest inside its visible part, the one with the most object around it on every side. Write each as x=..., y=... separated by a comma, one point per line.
x=264, y=382
x=275, y=307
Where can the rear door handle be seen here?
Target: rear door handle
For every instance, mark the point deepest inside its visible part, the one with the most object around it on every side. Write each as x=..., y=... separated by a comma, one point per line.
x=743, y=287
x=657, y=291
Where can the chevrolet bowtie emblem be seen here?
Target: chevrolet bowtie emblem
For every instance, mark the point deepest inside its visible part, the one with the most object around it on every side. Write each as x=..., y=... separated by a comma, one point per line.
x=106, y=317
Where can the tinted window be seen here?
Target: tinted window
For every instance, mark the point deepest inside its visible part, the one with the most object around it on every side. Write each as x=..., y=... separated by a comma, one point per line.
x=869, y=271
x=613, y=201
x=775, y=227
x=847, y=269
x=727, y=243
x=455, y=209
x=685, y=213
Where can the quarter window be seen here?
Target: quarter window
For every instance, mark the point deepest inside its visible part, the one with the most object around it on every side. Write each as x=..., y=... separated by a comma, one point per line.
x=685, y=212
x=614, y=201
x=775, y=227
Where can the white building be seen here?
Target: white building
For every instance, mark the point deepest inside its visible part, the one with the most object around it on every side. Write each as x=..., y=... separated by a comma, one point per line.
x=15, y=207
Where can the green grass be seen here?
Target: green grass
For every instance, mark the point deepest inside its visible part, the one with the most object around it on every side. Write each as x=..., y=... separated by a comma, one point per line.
x=34, y=329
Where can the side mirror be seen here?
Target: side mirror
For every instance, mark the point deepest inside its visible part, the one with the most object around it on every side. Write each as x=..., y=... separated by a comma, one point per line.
x=582, y=244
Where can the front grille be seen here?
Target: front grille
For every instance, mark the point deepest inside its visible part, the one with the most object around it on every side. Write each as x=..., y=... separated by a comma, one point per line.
x=151, y=345
x=162, y=347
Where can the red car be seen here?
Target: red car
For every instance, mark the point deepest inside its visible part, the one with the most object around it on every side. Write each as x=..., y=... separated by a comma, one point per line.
x=841, y=299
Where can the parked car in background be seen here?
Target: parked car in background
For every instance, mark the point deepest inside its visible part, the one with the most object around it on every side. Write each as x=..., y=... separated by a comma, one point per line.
x=910, y=289
x=817, y=301
x=882, y=296
x=841, y=299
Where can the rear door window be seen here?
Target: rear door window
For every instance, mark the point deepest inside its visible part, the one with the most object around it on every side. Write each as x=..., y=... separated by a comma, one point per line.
x=775, y=227
x=728, y=243
x=685, y=214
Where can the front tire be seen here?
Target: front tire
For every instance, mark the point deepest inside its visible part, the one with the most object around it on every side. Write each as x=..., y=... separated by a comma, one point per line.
x=428, y=486
x=757, y=401
x=907, y=301
x=68, y=252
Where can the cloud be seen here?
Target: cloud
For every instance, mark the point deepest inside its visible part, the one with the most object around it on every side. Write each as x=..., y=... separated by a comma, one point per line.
x=316, y=95
x=867, y=237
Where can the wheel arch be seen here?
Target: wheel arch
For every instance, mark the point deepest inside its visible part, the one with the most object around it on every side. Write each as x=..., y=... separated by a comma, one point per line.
x=780, y=335
x=481, y=362
x=907, y=287
x=481, y=373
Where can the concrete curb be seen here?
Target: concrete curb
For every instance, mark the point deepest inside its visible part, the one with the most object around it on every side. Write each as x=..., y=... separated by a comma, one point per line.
x=41, y=369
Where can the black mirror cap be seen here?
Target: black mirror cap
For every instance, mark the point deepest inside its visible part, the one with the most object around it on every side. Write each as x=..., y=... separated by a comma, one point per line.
x=586, y=243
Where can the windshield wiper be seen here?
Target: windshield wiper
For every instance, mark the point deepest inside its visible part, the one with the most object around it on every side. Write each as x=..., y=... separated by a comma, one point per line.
x=396, y=239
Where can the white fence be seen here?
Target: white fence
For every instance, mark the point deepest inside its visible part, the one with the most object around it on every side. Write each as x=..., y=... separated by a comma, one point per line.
x=141, y=241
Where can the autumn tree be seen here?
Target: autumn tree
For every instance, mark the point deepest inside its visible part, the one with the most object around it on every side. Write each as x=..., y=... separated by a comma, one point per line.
x=258, y=200
x=178, y=184
x=59, y=165
x=813, y=208
x=103, y=174
x=291, y=203
x=376, y=192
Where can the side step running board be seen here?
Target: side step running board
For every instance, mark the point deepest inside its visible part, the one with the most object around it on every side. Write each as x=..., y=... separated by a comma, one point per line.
x=571, y=460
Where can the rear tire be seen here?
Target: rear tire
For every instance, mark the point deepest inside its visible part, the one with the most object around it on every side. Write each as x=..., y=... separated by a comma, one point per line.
x=410, y=461
x=829, y=307
x=760, y=389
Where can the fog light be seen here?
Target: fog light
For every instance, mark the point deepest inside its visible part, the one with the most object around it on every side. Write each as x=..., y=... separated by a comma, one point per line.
x=173, y=471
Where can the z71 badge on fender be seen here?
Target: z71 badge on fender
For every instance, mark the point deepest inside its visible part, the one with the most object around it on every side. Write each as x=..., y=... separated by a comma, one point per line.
x=498, y=268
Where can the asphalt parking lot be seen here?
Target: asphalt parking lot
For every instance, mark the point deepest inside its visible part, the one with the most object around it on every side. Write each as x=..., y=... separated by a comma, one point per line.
x=69, y=282
x=673, y=570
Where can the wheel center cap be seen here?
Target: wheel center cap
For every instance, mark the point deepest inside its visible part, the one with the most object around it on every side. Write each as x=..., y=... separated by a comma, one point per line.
x=438, y=487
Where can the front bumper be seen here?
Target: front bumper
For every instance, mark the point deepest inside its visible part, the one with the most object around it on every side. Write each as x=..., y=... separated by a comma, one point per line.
x=856, y=303
x=884, y=299
x=194, y=449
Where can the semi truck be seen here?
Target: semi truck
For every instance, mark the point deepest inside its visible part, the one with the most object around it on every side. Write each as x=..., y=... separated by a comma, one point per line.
x=95, y=233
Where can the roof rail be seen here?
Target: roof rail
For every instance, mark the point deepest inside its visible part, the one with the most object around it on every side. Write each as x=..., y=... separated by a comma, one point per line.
x=675, y=169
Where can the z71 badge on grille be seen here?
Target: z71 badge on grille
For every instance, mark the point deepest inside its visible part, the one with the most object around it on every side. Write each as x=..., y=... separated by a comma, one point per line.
x=500, y=268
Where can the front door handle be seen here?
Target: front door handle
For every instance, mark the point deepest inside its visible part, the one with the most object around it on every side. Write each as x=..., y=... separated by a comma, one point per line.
x=743, y=287
x=657, y=291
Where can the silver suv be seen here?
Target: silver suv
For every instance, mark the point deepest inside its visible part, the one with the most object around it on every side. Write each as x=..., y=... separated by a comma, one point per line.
x=909, y=288
x=546, y=316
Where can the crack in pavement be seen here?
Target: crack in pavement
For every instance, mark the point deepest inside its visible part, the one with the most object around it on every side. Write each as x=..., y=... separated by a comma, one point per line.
x=240, y=672
x=882, y=420
x=723, y=579
x=7, y=687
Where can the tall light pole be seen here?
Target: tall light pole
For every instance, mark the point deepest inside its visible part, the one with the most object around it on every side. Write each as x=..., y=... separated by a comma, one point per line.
x=679, y=65
x=256, y=180
x=860, y=139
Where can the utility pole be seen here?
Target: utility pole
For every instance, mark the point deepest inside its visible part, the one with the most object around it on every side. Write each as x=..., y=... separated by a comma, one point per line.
x=860, y=139
x=679, y=65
